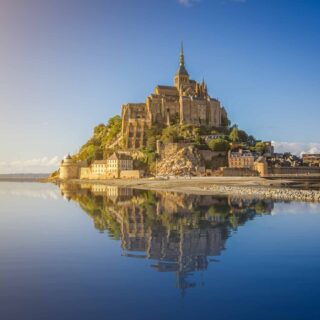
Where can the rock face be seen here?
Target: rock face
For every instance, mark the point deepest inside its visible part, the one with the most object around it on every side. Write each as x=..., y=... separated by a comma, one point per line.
x=186, y=161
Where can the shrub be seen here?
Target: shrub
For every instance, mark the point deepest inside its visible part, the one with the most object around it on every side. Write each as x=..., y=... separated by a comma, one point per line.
x=219, y=145
x=260, y=147
x=234, y=134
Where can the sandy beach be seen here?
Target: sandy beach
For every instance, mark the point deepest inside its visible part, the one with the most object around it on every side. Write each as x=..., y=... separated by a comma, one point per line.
x=184, y=184
x=239, y=186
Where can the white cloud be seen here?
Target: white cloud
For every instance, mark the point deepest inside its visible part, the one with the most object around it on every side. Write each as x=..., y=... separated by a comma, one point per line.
x=281, y=208
x=35, y=165
x=296, y=148
x=188, y=3
x=33, y=191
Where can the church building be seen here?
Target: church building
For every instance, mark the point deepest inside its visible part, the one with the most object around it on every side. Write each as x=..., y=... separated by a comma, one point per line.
x=187, y=102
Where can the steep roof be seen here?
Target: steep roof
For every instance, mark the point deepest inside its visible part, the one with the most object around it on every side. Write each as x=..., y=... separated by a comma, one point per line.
x=119, y=156
x=261, y=159
x=166, y=90
x=114, y=156
x=182, y=71
x=167, y=87
x=99, y=162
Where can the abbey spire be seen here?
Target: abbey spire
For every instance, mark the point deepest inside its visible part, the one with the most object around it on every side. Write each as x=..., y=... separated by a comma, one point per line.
x=181, y=55
x=182, y=75
x=185, y=103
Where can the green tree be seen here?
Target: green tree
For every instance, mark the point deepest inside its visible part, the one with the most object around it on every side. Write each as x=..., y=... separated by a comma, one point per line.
x=113, y=128
x=169, y=134
x=196, y=135
x=234, y=134
x=260, y=147
x=219, y=145
x=99, y=129
x=251, y=141
x=243, y=136
x=152, y=134
x=103, y=135
x=151, y=143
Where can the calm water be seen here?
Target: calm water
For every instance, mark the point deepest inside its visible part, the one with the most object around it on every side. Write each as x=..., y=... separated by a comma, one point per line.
x=107, y=253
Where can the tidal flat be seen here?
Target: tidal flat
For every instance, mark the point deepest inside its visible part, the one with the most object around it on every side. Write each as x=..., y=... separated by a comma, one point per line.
x=307, y=189
x=88, y=251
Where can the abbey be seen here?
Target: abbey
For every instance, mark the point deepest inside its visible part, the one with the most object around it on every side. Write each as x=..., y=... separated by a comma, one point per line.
x=185, y=103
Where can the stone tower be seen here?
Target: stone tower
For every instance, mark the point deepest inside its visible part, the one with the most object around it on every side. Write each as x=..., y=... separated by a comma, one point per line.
x=69, y=169
x=182, y=75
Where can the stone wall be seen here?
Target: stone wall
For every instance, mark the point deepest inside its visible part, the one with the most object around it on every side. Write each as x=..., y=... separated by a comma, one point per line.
x=214, y=159
x=261, y=168
x=85, y=173
x=135, y=121
x=239, y=172
x=295, y=170
x=131, y=174
x=70, y=169
x=69, y=172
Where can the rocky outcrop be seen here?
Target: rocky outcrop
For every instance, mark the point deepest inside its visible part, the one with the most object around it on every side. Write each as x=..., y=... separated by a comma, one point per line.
x=186, y=161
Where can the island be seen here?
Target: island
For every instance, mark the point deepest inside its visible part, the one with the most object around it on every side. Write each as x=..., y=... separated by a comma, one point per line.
x=182, y=133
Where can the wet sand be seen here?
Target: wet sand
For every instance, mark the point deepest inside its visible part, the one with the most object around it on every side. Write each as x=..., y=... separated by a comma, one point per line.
x=187, y=185
x=243, y=187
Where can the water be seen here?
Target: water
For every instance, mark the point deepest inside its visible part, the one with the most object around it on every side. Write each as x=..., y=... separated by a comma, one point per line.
x=99, y=252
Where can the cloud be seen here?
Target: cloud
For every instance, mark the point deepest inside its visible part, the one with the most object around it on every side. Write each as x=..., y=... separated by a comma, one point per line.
x=35, y=165
x=281, y=208
x=40, y=194
x=33, y=191
x=188, y=3
x=297, y=148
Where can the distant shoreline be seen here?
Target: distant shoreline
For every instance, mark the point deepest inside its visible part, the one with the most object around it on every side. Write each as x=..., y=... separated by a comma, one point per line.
x=24, y=177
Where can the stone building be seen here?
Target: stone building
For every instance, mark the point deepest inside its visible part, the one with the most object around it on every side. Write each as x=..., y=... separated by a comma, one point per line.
x=118, y=165
x=241, y=159
x=261, y=166
x=119, y=162
x=246, y=163
x=113, y=167
x=99, y=167
x=70, y=169
x=311, y=160
x=186, y=102
x=269, y=149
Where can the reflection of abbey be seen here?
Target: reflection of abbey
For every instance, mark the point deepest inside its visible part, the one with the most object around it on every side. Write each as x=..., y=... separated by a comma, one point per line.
x=187, y=102
x=178, y=232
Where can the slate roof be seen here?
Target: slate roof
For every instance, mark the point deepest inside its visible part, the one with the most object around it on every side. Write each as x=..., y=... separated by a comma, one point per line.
x=119, y=156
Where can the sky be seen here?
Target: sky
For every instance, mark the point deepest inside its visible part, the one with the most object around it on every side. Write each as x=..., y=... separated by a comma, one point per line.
x=68, y=65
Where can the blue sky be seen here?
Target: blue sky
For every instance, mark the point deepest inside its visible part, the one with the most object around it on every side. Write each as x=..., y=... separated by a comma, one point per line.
x=68, y=65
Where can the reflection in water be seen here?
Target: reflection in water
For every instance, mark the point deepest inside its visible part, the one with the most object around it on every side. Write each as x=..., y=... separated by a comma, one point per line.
x=177, y=231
